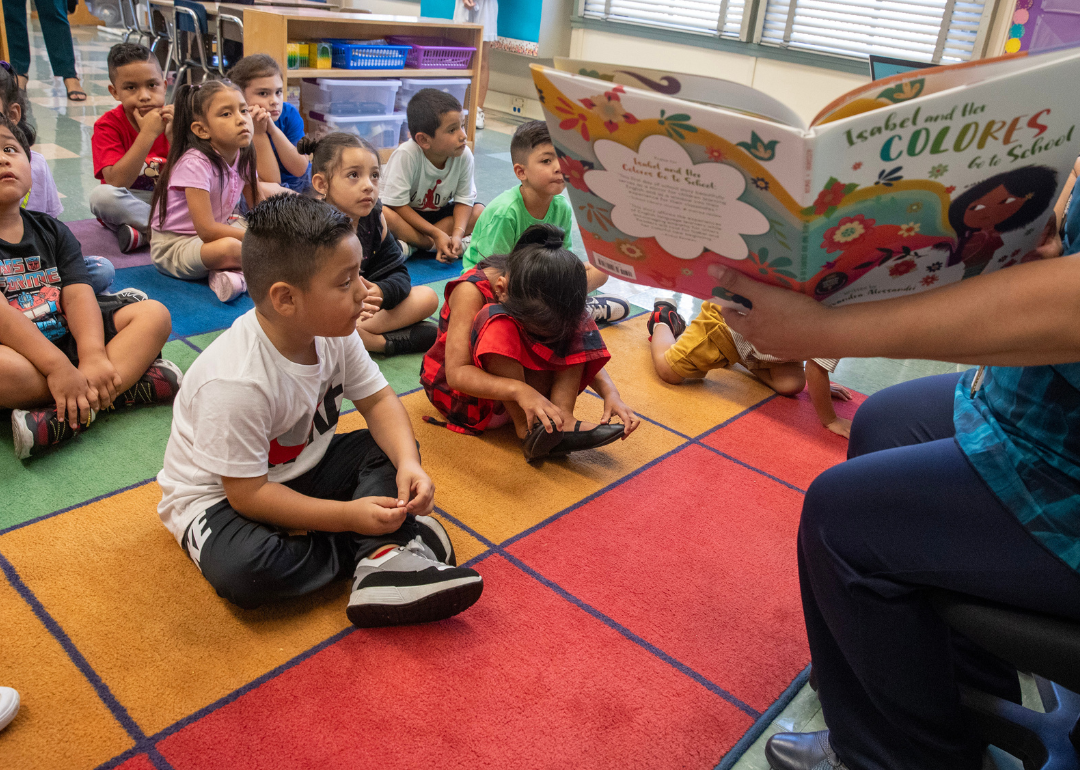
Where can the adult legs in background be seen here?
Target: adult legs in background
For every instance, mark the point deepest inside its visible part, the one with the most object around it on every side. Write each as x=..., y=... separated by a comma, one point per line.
x=905, y=513
x=52, y=14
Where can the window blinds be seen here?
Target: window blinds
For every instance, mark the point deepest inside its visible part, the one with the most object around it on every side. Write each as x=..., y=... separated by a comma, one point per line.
x=938, y=31
x=712, y=17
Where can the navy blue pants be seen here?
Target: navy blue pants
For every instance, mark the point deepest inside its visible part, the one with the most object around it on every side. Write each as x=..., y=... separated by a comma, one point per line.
x=52, y=14
x=906, y=512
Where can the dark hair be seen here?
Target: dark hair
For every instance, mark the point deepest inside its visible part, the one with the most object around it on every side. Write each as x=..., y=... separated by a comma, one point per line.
x=128, y=53
x=20, y=137
x=288, y=237
x=426, y=109
x=528, y=137
x=546, y=287
x=326, y=152
x=249, y=68
x=191, y=103
x=1039, y=182
x=10, y=94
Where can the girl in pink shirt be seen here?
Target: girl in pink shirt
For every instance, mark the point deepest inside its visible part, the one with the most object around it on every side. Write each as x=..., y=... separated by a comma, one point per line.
x=193, y=232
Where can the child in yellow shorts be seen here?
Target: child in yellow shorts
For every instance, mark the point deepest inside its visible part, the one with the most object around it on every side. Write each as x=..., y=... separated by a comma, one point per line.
x=682, y=353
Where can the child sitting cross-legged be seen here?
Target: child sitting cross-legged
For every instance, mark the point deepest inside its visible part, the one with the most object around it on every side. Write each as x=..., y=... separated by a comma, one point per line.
x=194, y=233
x=428, y=186
x=65, y=354
x=43, y=195
x=278, y=125
x=346, y=175
x=681, y=353
x=515, y=344
x=253, y=457
x=537, y=200
x=130, y=144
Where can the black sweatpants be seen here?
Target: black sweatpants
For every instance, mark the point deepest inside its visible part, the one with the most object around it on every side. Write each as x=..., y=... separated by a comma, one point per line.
x=906, y=512
x=251, y=564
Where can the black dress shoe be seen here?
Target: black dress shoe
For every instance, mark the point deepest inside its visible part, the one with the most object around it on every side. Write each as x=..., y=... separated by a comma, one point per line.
x=802, y=751
x=577, y=439
x=539, y=443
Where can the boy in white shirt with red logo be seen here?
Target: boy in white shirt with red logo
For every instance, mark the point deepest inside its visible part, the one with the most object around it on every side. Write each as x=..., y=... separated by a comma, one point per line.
x=267, y=500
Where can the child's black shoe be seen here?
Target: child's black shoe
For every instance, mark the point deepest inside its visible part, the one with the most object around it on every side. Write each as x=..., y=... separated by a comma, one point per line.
x=664, y=312
x=417, y=338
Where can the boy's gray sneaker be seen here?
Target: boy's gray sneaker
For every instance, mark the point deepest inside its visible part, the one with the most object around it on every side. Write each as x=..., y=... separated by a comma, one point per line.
x=437, y=539
x=408, y=584
x=606, y=308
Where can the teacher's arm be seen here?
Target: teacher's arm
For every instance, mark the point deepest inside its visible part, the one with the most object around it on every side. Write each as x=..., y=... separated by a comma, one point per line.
x=1026, y=315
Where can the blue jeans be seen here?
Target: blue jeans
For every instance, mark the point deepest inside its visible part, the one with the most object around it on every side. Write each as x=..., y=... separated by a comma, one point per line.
x=905, y=513
x=101, y=273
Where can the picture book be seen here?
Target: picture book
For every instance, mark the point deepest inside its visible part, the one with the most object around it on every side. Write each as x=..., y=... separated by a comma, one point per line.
x=905, y=184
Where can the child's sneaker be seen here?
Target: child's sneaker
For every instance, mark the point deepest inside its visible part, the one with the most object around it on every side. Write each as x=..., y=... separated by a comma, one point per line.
x=127, y=296
x=436, y=538
x=606, y=308
x=35, y=430
x=227, y=284
x=129, y=239
x=664, y=312
x=9, y=705
x=158, y=385
x=400, y=585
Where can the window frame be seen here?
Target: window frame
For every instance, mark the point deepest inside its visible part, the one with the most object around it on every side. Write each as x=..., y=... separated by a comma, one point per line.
x=751, y=32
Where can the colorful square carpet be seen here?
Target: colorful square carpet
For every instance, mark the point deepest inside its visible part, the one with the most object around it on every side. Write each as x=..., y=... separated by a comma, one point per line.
x=641, y=604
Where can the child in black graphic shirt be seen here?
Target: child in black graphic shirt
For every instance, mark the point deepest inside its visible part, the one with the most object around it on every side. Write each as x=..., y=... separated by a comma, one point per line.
x=65, y=354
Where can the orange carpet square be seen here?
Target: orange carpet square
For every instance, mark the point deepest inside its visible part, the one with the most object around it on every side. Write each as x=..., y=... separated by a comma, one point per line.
x=62, y=723
x=691, y=408
x=485, y=482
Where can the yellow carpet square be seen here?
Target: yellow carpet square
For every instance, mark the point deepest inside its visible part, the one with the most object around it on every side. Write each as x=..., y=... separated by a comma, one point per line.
x=691, y=408
x=62, y=721
x=147, y=622
x=485, y=482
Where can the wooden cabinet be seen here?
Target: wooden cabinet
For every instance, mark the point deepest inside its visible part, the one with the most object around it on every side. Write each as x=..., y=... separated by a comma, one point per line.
x=270, y=30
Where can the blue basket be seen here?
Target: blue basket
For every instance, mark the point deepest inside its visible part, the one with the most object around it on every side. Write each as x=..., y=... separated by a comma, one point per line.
x=357, y=56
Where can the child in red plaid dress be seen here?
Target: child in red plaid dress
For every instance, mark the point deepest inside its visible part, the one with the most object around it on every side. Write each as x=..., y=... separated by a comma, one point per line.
x=515, y=345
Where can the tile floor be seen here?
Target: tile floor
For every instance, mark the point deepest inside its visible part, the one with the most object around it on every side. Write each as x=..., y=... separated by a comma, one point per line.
x=64, y=132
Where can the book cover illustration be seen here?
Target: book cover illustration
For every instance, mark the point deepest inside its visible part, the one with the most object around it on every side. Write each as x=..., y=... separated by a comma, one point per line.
x=916, y=193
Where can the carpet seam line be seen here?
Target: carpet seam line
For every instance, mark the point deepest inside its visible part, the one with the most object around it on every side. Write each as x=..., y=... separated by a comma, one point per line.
x=736, y=752
x=748, y=466
x=68, y=509
x=101, y=689
x=626, y=633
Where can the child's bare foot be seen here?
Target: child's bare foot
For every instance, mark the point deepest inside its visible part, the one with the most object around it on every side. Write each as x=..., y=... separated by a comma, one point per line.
x=841, y=427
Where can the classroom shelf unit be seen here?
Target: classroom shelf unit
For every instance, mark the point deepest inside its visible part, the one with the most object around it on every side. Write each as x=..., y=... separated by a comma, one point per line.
x=270, y=30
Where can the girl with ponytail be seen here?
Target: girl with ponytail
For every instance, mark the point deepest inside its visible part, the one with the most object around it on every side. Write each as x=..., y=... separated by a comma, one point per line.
x=193, y=233
x=516, y=345
x=346, y=174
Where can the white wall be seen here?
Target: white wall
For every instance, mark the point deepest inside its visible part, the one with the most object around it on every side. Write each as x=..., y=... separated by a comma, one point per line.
x=391, y=7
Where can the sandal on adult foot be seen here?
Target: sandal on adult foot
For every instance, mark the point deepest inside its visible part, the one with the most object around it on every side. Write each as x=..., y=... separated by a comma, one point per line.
x=417, y=338
x=577, y=439
x=539, y=443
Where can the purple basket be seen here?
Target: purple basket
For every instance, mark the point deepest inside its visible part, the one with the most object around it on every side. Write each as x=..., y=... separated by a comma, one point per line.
x=428, y=53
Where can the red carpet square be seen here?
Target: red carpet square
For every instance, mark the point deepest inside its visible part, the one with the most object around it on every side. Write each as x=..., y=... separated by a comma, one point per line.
x=697, y=556
x=785, y=438
x=137, y=762
x=523, y=679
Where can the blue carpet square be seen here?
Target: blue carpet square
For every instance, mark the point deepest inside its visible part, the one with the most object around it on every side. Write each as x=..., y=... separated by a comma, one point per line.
x=428, y=270
x=194, y=307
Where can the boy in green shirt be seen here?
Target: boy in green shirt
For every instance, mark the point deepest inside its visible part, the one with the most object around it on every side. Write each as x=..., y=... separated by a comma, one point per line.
x=538, y=199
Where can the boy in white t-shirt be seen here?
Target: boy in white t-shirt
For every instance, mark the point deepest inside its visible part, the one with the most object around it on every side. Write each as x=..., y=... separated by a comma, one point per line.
x=428, y=189
x=267, y=500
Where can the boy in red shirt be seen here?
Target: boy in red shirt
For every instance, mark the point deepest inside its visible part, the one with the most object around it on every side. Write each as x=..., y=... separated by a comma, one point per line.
x=130, y=144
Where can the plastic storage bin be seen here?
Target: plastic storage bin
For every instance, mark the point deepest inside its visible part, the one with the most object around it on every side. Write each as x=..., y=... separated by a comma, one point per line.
x=382, y=131
x=434, y=52
x=349, y=97
x=409, y=87
x=347, y=55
